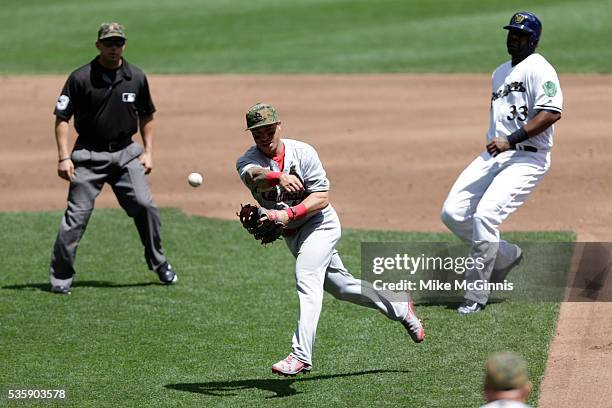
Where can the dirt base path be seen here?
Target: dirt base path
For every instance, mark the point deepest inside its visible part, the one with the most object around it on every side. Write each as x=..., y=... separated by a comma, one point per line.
x=392, y=146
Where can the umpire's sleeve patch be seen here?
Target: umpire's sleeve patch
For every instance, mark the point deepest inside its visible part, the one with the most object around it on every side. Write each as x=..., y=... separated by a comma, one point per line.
x=62, y=102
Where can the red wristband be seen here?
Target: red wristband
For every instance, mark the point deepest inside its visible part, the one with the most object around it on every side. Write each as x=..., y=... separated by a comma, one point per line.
x=299, y=211
x=273, y=177
x=290, y=213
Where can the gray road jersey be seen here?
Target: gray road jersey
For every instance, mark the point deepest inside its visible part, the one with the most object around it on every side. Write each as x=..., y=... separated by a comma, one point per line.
x=301, y=160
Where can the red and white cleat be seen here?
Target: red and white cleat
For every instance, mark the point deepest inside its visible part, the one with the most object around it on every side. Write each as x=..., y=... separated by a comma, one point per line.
x=413, y=325
x=290, y=366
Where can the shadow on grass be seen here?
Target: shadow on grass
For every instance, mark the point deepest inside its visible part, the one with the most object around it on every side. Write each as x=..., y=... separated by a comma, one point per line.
x=86, y=284
x=280, y=387
x=451, y=305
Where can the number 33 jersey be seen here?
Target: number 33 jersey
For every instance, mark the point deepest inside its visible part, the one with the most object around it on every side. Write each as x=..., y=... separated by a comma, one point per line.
x=519, y=92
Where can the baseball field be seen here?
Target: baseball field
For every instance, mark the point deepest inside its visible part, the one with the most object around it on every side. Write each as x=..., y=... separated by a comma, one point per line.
x=395, y=97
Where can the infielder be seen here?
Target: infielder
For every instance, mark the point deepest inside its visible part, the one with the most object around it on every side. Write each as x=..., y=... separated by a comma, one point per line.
x=526, y=102
x=287, y=178
x=110, y=101
x=506, y=383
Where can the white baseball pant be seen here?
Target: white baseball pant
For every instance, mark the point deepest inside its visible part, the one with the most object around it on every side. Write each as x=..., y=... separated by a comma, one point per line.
x=318, y=267
x=483, y=196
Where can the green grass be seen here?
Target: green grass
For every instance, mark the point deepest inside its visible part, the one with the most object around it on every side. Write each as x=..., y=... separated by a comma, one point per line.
x=121, y=339
x=301, y=36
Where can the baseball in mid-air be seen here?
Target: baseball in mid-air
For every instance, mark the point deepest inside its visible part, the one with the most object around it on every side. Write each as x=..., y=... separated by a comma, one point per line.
x=195, y=179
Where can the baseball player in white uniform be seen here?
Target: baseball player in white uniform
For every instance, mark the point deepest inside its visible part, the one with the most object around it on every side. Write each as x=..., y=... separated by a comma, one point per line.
x=287, y=177
x=526, y=102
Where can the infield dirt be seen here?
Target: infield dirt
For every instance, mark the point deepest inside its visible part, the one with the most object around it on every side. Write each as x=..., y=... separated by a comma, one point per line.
x=392, y=146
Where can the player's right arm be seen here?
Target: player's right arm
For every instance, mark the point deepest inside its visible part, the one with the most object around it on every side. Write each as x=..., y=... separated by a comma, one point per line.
x=65, y=167
x=260, y=179
x=539, y=123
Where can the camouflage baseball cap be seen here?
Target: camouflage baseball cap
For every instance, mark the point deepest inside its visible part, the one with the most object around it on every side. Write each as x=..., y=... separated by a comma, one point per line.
x=108, y=30
x=261, y=114
x=505, y=371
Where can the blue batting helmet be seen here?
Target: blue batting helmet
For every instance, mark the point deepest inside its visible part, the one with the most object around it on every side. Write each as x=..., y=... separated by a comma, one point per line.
x=529, y=23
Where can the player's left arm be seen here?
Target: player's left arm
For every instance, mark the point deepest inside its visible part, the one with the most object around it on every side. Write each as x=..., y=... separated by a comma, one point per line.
x=316, y=202
x=146, y=131
x=539, y=123
x=145, y=108
x=312, y=204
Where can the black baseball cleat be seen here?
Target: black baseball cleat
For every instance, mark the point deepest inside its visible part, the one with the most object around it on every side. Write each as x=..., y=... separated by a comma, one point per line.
x=166, y=274
x=60, y=286
x=469, y=306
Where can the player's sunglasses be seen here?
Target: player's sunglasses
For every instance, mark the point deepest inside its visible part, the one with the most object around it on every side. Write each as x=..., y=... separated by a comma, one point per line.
x=119, y=42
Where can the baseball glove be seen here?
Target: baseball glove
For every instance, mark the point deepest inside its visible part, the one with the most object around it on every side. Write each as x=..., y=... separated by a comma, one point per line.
x=259, y=223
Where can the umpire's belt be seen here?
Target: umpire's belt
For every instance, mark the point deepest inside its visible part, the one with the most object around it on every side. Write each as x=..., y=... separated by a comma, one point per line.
x=525, y=148
x=105, y=145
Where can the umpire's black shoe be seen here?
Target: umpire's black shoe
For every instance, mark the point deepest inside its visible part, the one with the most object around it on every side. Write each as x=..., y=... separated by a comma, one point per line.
x=166, y=274
x=469, y=306
x=62, y=290
x=60, y=286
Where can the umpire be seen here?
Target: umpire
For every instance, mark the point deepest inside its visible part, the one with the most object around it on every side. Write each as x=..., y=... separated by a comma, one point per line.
x=110, y=101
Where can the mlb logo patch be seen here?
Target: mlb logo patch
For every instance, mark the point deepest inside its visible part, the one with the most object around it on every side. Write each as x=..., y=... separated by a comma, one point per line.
x=129, y=97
